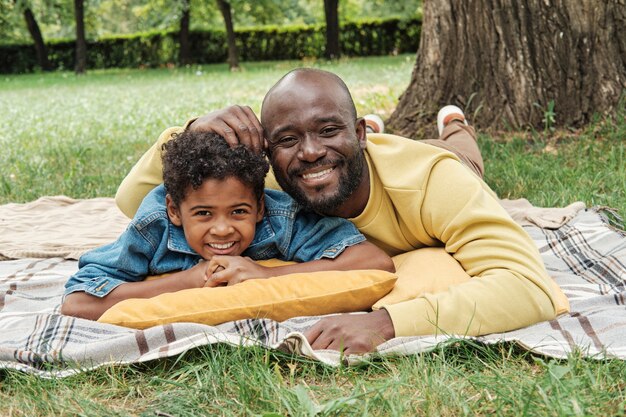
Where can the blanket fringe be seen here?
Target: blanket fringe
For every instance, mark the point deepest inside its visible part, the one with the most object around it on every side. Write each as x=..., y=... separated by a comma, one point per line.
x=611, y=218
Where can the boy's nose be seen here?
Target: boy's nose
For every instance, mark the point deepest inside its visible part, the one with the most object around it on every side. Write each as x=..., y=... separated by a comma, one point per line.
x=221, y=228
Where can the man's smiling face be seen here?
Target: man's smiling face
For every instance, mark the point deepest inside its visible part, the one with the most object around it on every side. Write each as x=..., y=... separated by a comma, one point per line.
x=316, y=144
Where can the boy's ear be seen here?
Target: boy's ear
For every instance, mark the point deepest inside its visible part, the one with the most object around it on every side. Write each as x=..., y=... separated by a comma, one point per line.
x=172, y=211
x=261, y=208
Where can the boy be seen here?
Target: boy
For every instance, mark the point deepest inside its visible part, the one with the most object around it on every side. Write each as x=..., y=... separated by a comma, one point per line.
x=208, y=220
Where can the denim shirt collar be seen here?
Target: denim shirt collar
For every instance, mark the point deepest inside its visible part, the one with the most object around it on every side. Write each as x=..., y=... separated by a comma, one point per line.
x=152, y=208
x=176, y=241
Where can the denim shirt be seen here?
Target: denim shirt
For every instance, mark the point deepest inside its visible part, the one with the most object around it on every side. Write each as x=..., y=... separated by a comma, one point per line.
x=152, y=245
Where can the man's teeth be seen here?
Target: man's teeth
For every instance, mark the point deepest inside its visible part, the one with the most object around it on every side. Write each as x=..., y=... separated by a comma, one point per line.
x=221, y=245
x=316, y=174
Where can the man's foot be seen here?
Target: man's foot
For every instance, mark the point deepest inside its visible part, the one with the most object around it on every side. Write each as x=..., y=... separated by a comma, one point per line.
x=448, y=114
x=374, y=124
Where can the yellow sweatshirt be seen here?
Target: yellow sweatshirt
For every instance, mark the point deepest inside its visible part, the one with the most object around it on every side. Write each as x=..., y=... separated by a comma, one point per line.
x=423, y=196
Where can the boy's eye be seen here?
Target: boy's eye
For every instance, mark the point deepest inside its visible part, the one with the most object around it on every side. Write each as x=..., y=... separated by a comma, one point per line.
x=202, y=213
x=240, y=211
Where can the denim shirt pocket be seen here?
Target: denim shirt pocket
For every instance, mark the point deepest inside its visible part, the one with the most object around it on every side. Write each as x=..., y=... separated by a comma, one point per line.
x=336, y=250
x=264, y=245
x=149, y=230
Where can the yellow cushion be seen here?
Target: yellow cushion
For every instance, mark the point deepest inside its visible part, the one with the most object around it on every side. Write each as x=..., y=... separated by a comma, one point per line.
x=431, y=270
x=278, y=298
x=421, y=271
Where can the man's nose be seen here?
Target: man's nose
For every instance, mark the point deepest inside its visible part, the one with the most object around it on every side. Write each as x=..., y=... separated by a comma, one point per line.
x=311, y=149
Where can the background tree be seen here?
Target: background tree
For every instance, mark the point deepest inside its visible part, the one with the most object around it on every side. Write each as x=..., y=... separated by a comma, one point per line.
x=233, y=55
x=184, y=55
x=35, y=33
x=117, y=17
x=81, y=43
x=358, y=9
x=46, y=13
x=331, y=11
x=57, y=18
x=516, y=63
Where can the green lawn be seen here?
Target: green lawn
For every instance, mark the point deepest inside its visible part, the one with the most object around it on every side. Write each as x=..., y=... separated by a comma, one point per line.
x=80, y=136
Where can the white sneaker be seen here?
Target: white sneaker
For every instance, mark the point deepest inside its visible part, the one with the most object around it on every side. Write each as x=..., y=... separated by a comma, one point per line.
x=448, y=114
x=374, y=124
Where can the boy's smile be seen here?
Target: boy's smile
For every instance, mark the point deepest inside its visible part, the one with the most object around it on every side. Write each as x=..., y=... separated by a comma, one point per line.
x=219, y=217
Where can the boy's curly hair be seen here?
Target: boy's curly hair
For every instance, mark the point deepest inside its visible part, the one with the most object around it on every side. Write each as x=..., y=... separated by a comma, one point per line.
x=190, y=158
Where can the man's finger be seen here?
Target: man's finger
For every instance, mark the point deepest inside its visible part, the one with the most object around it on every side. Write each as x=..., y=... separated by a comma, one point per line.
x=223, y=129
x=237, y=124
x=318, y=338
x=239, y=121
x=257, y=140
x=313, y=333
x=266, y=144
x=334, y=343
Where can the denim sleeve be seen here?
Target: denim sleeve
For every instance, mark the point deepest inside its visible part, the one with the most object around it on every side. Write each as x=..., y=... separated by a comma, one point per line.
x=103, y=269
x=315, y=237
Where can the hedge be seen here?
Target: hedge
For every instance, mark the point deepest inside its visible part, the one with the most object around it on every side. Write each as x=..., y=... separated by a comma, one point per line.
x=160, y=48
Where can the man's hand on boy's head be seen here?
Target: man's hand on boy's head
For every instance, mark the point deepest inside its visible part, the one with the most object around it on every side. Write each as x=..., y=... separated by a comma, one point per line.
x=237, y=124
x=230, y=270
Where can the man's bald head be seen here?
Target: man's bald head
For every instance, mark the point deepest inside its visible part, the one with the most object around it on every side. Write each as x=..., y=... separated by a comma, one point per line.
x=306, y=78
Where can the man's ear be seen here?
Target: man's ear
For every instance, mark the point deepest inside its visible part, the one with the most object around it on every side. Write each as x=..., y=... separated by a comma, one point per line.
x=260, y=208
x=361, y=132
x=173, y=212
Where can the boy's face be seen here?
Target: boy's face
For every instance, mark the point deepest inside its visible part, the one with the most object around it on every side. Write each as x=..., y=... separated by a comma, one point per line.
x=219, y=218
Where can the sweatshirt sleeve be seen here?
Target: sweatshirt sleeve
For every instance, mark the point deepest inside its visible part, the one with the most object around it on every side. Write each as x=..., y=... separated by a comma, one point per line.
x=510, y=287
x=146, y=174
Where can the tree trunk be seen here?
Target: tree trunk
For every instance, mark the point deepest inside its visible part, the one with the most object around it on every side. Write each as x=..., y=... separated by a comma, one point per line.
x=233, y=59
x=506, y=62
x=81, y=44
x=184, y=55
x=331, y=10
x=35, y=33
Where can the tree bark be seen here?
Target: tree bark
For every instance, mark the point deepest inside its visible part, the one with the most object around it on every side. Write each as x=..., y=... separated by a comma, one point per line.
x=233, y=59
x=184, y=55
x=505, y=61
x=35, y=33
x=331, y=10
x=81, y=43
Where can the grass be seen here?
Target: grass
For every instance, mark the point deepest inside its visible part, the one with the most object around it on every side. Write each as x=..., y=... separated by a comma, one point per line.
x=463, y=379
x=80, y=136
x=586, y=165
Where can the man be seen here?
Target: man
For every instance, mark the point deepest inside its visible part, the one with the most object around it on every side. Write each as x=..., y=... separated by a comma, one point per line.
x=402, y=194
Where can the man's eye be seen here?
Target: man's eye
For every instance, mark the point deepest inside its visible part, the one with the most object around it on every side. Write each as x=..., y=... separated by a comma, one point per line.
x=287, y=141
x=330, y=130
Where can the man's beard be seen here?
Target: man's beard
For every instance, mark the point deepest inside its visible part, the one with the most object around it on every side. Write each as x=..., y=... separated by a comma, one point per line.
x=349, y=181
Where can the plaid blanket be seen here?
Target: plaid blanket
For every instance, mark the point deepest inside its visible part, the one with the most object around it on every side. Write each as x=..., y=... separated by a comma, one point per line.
x=586, y=257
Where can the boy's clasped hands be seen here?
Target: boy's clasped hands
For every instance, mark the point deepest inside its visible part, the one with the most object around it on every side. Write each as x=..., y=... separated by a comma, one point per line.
x=229, y=270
